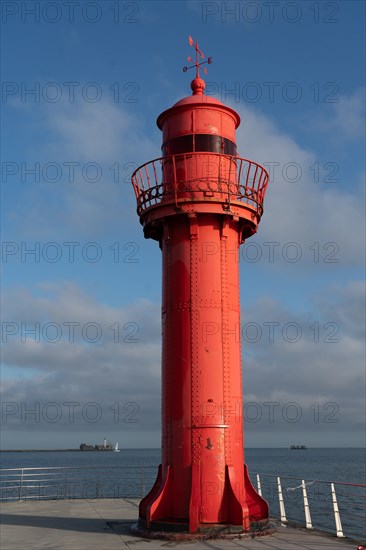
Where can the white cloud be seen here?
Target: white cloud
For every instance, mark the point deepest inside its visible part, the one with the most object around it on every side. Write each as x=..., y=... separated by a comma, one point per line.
x=302, y=211
x=347, y=118
x=122, y=367
x=99, y=132
x=96, y=147
x=320, y=377
x=320, y=367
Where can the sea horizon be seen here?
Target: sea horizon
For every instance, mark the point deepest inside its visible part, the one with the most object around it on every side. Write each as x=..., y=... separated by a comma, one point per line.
x=61, y=449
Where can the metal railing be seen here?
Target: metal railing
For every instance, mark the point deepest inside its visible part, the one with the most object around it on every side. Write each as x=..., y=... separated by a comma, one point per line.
x=193, y=176
x=71, y=482
x=336, y=507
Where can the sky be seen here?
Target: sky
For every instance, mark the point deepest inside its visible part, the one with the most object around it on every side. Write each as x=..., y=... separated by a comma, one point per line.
x=83, y=84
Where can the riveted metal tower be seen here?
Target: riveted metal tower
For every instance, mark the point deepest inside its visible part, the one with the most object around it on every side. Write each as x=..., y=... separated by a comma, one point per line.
x=200, y=201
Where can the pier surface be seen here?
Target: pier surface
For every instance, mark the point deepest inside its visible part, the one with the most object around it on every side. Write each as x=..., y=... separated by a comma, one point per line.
x=105, y=523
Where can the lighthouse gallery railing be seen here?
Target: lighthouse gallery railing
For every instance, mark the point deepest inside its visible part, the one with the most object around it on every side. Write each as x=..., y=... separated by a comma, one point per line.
x=215, y=176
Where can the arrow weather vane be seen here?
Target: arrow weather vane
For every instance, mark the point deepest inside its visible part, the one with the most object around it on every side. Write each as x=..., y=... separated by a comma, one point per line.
x=198, y=54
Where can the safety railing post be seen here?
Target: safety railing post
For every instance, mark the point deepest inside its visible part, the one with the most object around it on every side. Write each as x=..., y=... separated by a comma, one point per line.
x=259, y=485
x=306, y=506
x=337, y=516
x=21, y=485
x=282, y=503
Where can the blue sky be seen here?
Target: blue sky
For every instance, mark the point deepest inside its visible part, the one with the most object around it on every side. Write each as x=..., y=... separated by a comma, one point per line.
x=101, y=73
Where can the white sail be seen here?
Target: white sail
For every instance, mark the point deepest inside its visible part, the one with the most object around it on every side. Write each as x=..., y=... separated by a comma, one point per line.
x=116, y=449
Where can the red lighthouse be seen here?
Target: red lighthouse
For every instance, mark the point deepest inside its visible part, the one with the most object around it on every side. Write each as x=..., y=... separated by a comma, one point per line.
x=200, y=201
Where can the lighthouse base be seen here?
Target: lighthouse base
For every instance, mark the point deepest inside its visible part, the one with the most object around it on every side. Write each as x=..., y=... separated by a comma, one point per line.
x=247, y=513
x=171, y=530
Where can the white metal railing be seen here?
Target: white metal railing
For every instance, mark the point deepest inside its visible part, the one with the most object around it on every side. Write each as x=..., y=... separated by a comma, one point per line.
x=71, y=482
x=313, y=503
x=321, y=504
x=309, y=525
x=281, y=502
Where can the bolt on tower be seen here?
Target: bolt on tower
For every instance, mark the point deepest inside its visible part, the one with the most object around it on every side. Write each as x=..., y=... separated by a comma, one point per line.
x=200, y=201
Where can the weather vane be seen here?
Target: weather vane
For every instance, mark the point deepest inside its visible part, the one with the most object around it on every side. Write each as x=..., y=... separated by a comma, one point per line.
x=199, y=54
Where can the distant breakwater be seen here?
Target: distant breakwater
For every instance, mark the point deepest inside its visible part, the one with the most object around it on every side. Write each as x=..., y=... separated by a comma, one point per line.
x=44, y=450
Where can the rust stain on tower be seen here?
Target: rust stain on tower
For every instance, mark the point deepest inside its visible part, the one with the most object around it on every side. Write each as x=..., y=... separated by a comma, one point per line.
x=200, y=201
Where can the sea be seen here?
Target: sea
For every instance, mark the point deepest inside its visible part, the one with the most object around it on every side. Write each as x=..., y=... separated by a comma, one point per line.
x=131, y=473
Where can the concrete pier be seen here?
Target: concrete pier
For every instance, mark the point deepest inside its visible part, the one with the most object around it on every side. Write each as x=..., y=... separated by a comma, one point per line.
x=105, y=523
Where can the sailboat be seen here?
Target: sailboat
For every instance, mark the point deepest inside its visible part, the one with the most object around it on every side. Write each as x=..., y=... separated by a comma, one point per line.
x=116, y=449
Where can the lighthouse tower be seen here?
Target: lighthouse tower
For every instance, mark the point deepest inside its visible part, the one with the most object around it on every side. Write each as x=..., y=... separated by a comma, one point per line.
x=200, y=201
